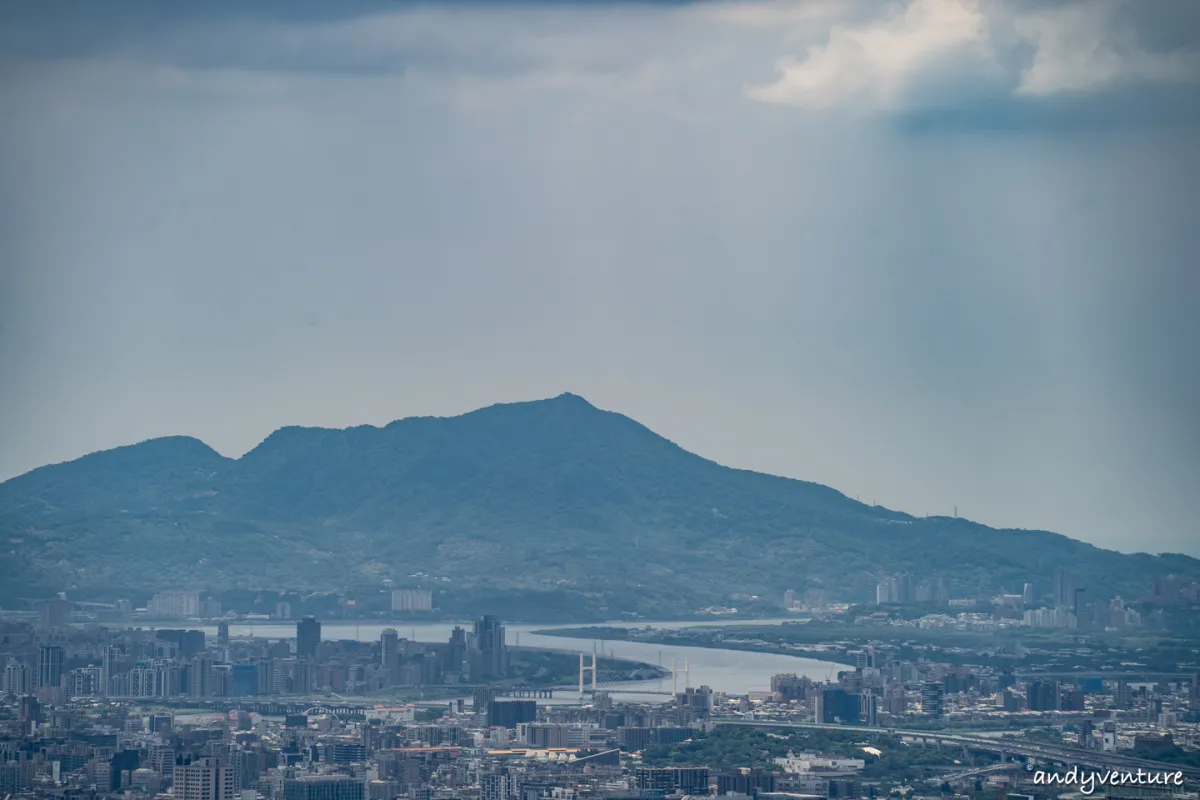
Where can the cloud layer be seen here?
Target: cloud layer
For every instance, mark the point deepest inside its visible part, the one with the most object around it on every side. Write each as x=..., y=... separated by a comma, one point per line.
x=931, y=53
x=860, y=56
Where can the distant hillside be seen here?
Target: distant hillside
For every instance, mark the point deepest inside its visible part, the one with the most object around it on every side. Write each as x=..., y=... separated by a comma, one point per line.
x=552, y=495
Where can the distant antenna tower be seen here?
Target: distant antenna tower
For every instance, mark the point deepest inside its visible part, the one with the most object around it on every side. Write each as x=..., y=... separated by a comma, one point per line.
x=956, y=512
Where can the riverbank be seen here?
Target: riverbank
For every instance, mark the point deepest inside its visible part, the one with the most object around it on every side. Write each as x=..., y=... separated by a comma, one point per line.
x=724, y=640
x=1024, y=650
x=725, y=670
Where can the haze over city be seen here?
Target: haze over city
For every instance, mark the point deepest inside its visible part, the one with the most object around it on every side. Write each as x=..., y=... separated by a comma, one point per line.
x=936, y=256
x=394, y=399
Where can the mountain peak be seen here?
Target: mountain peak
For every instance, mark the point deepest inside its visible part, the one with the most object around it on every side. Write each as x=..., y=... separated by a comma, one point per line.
x=571, y=399
x=565, y=403
x=550, y=492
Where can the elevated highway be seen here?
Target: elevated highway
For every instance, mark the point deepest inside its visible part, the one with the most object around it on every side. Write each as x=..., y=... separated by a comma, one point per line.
x=1035, y=751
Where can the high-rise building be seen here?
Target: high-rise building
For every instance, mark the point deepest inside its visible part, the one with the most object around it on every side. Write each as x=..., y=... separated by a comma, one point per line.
x=85, y=682
x=205, y=779
x=186, y=643
x=869, y=709
x=1064, y=589
x=456, y=654
x=790, y=686
x=174, y=604
x=883, y=592
x=210, y=608
x=1123, y=695
x=925, y=590
x=672, y=780
x=50, y=666
x=121, y=765
x=1109, y=737
x=199, y=677
x=412, y=600
x=1086, y=739
x=835, y=705
x=54, y=612
x=223, y=634
x=511, y=713
x=865, y=659
x=494, y=786
x=324, y=787
x=748, y=783
x=304, y=676
x=246, y=767
x=17, y=679
x=266, y=677
x=483, y=697
x=894, y=699
x=941, y=595
x=1042, y=696
x=29, y=709
x=491, y=655
x=697, y=703
x=389, y=651
x=933, y=695
x=308, y=638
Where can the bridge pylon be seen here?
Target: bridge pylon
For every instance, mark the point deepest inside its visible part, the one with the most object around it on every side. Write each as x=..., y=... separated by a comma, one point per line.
x=687, y=682
x=584, y=669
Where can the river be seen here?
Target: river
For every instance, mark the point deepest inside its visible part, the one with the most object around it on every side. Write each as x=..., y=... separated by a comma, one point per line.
x=729, y=671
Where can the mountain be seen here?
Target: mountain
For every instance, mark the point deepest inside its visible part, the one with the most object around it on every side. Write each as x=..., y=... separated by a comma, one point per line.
x=553, y=497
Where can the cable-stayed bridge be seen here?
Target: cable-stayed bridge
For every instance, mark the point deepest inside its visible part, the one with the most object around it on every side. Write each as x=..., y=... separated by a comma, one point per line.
x=593, y=677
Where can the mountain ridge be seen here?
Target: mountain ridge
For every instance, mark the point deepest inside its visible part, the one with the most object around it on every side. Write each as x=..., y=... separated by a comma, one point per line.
x=517, y=496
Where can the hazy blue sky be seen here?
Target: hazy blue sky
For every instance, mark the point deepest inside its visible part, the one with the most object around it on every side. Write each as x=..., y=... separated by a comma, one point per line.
x=932, y=254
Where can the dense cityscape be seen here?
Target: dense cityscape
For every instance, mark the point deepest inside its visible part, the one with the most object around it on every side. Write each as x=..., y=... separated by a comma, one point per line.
x=209, y=708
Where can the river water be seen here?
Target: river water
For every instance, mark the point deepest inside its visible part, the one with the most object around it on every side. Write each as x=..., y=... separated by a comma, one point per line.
x=729, y=671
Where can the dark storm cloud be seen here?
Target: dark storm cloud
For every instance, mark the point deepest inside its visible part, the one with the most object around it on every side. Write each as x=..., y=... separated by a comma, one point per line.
x=308, y=35
x=992, y=63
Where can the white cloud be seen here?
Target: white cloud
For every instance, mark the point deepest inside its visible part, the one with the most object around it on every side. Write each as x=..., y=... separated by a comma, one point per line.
x=873, y=65
x=938, y=52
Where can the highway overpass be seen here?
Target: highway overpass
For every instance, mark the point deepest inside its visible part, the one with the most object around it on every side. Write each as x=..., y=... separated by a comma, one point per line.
x=1036, y=751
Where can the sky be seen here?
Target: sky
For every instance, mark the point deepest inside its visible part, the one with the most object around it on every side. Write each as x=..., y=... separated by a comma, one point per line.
x=938, y=254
